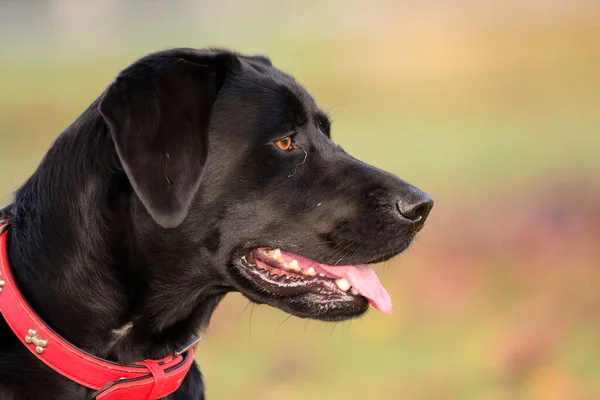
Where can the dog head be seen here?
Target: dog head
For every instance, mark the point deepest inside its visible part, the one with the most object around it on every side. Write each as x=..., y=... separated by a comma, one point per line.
x=234, y=171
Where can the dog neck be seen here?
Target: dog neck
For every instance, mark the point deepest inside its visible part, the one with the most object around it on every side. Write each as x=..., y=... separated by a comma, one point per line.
x=76, y=252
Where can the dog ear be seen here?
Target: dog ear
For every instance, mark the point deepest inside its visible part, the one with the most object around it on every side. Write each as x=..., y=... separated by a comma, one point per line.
x=259, y=58
x=158, y=112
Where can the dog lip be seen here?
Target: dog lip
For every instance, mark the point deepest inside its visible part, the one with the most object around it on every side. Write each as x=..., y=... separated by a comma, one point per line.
x=284, y=273
x=278, y=280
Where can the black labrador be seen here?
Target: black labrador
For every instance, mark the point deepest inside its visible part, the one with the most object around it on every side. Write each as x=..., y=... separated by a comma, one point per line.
x=195, y=174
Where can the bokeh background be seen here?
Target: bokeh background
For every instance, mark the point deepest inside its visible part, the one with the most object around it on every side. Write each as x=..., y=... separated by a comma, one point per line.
x=493, y=107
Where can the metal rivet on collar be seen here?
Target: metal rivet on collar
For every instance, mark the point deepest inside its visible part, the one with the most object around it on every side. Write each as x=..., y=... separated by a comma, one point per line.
x=3, y=226
x=39, y=343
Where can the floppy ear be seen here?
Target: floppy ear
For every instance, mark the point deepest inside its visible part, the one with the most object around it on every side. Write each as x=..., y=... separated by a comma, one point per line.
x=158, y=112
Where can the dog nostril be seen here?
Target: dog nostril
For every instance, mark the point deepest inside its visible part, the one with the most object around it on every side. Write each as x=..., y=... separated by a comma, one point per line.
x=416, y=211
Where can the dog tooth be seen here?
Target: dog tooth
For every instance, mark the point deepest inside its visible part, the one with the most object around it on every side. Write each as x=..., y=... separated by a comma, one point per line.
x=343, y=284
x=294, y=266
x=310, y=272
x=354, y=292
x=277, y=255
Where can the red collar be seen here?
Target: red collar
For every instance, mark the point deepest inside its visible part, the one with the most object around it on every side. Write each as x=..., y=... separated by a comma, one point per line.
x=146, y=380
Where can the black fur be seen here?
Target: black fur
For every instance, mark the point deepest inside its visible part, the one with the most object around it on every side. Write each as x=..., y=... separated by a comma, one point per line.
x=141, y=208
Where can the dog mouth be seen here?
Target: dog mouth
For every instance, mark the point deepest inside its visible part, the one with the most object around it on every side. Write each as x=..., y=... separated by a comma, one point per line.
x=286, y=275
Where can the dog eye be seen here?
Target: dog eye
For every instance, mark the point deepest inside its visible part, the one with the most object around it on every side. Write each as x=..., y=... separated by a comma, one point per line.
x=285, y=143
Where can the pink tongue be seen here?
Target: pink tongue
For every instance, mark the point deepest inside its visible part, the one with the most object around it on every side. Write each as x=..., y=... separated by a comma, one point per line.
x=365, y=281
x=362, y=278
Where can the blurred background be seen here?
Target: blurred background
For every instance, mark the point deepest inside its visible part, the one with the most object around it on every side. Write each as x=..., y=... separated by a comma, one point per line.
x=493, y=107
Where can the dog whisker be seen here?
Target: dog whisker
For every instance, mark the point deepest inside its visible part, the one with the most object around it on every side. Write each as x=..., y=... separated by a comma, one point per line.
x=283, y=322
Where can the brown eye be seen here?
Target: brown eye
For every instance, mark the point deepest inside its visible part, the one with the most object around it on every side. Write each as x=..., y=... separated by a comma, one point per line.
x=285, y=143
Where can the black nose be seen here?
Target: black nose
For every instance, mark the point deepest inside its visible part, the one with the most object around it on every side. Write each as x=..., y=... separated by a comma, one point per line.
x=415, y=207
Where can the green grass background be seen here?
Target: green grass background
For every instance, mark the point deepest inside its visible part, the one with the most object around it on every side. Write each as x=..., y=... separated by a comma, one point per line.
x=492, y=109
